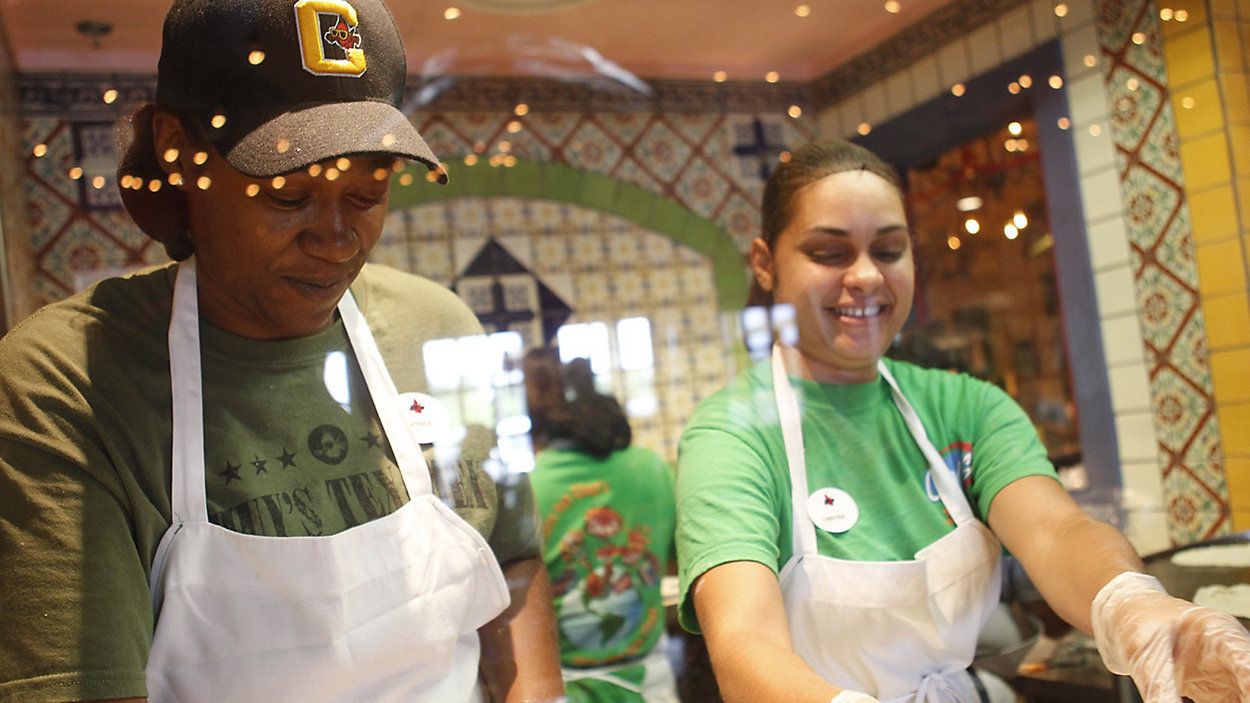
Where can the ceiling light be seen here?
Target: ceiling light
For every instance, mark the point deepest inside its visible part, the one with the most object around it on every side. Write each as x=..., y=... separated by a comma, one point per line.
x=968, y=204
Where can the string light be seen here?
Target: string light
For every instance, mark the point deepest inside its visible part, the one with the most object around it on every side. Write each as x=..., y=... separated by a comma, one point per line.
x=218, y=121
x=75, y=173
x=514, y=126
x=521, y=110
x=1061, y=10
x=1010, y=231
x=470, y=159
x=314, y=170
x=893, y=7
x=110, y=96
x=40, y=150
x=380, y=174
x=278, y=183
x=972, y=226
x=176, y=179
x=1020, y=220
x=772, y=77
x=256, y=58
x=803, y=10
x=343, y=164
x=958, y=90
x=252, y=190
x=1015, y=128
x=1064, y=123
x=795, y=111
x=200, y=158
x=406, y=179
x=1055, y=81
x=170, y=155
x=332, y=174
x=451, y=13
x=953, y=242
x=97, y=182
x=155, y=185
x=204, y=182
x=863, y=129
x=720, y=76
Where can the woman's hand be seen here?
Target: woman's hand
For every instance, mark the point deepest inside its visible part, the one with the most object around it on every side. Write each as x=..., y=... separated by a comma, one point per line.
x=1170, y=647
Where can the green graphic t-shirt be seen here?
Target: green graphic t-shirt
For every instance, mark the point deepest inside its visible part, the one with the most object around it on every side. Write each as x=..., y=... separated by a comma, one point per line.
x=733, y=484
x=293, y=447
x=607, y=528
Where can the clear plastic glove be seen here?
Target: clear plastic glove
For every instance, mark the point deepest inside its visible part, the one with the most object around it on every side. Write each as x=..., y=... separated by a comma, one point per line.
x=1170, y=647
x=853, y=697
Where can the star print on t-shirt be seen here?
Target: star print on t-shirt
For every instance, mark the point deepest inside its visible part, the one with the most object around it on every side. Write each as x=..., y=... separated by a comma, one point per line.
x=287, y=458
x=231, y=473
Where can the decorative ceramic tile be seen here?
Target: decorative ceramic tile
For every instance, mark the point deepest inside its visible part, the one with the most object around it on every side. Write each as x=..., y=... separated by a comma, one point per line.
x=694, y=127
x=1166, y=276
x=591, y=148
x=662, y=151
x=702, y=188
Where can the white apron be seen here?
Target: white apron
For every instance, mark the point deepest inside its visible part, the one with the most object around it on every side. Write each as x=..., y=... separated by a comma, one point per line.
x=658, y=683
x=901, y=631
x=384, y=611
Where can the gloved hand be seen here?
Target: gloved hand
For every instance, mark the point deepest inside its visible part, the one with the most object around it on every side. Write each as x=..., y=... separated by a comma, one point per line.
x=1170, y=647
x=853, y=697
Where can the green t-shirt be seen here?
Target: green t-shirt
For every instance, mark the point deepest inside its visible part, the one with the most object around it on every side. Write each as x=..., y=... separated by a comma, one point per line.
x=293, y=447
x=733, y=485
x=607, y=528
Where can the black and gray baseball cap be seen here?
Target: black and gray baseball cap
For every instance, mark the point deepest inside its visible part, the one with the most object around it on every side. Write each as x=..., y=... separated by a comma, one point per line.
x=281, y=84
x=275, y=85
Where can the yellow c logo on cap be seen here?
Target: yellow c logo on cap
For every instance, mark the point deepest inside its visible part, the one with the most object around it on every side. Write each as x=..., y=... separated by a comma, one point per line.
x=312, y=50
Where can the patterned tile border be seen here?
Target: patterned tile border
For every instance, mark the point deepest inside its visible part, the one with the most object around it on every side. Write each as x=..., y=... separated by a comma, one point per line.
x=1164, y=270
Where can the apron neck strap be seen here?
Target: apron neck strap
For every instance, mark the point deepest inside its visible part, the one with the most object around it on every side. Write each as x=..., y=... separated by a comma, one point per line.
x=385, y=399
x=946, y=480
x=187, y=488
x=803, y=531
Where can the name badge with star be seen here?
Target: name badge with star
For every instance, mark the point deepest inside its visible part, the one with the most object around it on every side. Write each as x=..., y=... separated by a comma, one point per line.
x=832, y=510
x=426, y=416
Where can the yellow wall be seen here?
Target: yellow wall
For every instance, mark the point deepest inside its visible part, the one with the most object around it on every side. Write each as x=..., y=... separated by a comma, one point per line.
x=1208, y=66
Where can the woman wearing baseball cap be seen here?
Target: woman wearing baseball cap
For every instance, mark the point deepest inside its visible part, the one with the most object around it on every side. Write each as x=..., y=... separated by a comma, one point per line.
x=214, y=481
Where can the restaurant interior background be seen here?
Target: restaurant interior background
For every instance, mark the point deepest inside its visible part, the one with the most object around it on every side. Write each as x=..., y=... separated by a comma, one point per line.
x=1078, y=174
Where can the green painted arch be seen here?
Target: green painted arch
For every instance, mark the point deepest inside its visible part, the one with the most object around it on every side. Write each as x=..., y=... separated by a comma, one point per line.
x=560, y=183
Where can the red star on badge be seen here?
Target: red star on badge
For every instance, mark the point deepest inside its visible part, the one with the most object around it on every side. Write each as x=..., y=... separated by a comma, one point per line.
x=416, y=407
x=828, y=499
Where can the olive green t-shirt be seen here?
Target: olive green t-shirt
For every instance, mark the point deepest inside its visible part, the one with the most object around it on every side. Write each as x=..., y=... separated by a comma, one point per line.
x=293, y=447
x=733, y=481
